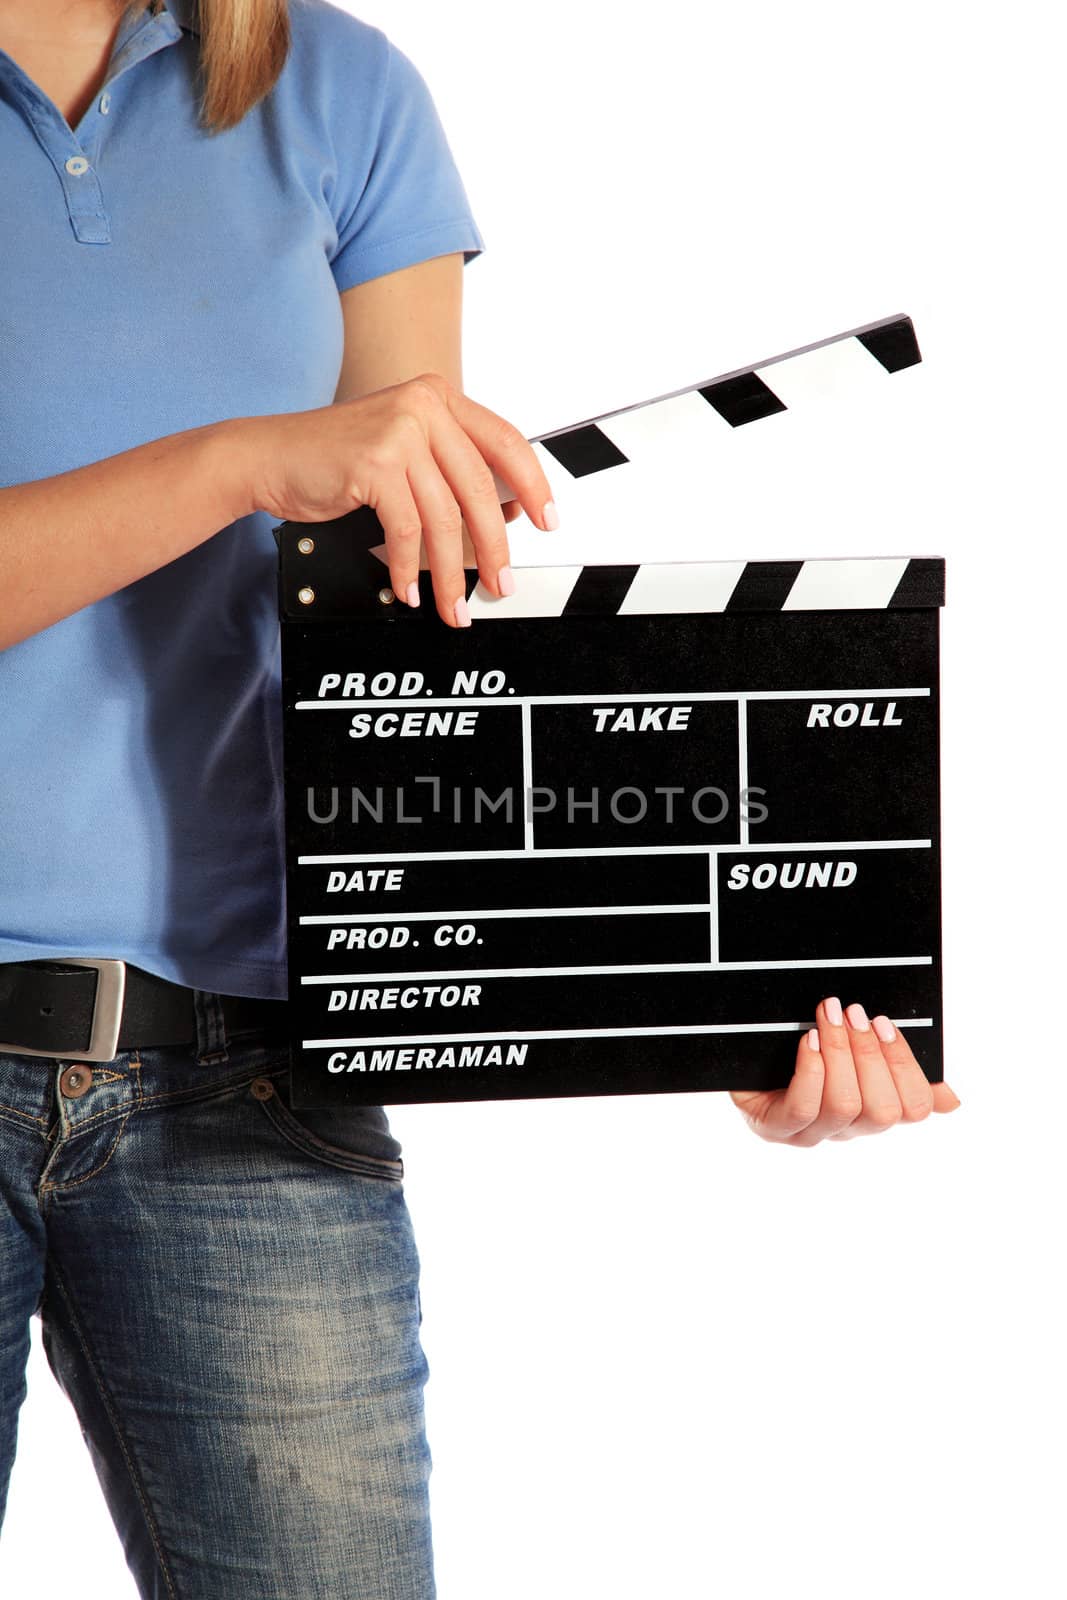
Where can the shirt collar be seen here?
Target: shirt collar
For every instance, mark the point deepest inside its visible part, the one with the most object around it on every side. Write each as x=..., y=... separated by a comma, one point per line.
x=185, y=14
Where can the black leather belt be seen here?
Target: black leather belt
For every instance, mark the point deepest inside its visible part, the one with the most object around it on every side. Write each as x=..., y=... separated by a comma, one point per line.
x=91, y=1008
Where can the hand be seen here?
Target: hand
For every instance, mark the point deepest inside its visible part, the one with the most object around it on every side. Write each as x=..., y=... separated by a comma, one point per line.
x=852, y=1077
x=422, y=455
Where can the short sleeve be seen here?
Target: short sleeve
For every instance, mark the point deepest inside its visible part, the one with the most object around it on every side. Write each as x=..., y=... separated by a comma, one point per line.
x=413, y=205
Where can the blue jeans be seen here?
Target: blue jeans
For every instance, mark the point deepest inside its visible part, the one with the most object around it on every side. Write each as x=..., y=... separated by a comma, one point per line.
x=228, y=1294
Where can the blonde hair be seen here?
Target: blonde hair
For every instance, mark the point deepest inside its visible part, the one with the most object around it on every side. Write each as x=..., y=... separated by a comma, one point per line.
x=243, y=48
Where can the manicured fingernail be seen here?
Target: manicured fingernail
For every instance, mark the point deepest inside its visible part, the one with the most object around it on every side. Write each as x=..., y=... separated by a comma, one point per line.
x=832, y=1007
x=413, y=593
x=551, y=516
x=506, y=581
x=858, y=1017
x=813, y=1039
x=463, y=616
x=884, y=1029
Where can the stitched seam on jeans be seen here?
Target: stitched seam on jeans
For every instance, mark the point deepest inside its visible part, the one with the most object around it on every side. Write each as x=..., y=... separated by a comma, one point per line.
x=193, y=1093
x=98, y=1077
x=102, y=1390
x=72, y=1183
x=208, y=1094
x=331, y=1155
x=25, y=1115
x=91, y=1122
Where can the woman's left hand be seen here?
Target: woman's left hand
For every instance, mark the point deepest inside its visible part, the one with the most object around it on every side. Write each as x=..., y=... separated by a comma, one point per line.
x=511, y=509
x=851, y=1078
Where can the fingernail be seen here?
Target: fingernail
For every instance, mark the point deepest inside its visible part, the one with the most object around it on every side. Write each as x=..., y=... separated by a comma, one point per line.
x=832, y=1007
x=551, y=516
x=813, y=1039
x=413, y=593
x=506, y=581
x=858, y=1017
x=463, y=616
x=884, y=1029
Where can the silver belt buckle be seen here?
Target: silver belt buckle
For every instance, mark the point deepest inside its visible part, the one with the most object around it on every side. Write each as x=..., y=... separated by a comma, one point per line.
x=107, y=1012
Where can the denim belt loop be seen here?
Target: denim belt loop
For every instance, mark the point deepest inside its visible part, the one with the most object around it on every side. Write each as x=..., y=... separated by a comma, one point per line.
x=210, y=1028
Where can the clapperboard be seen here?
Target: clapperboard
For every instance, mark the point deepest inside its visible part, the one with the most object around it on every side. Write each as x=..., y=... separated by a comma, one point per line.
x=622, y=834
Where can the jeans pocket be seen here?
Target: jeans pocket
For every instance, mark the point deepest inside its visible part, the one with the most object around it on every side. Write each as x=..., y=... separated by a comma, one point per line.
x=354, y=1137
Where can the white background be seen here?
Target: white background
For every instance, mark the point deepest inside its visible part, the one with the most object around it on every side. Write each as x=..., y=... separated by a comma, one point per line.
x=666, y=1357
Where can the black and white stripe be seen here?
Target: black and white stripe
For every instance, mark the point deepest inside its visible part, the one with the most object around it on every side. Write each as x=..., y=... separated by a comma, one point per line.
x=629, y=468
x=781, y=384
x=736, y=399
x=722, y=586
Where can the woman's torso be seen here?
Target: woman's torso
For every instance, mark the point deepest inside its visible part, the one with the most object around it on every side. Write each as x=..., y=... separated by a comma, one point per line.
x=155, y=277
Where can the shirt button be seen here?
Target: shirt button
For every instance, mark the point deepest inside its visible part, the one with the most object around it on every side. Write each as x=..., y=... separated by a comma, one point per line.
x=76, y=1080
x=76, y=166
x=105, y=103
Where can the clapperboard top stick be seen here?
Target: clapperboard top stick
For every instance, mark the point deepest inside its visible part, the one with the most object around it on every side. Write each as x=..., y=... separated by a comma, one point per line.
x=617, y=467
x=625, y=838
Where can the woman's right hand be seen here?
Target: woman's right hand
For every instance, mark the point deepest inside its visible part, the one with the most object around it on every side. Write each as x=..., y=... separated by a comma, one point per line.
x=422, y=456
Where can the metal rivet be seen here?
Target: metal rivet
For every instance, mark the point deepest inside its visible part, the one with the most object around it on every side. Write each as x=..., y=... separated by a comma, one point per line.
x=262, y=1088
x=76, y=1080
x=306, y=596
x=305, y=546
x=386, y=596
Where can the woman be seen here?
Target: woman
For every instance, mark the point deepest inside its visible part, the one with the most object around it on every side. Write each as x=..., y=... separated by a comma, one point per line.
x=219, y=311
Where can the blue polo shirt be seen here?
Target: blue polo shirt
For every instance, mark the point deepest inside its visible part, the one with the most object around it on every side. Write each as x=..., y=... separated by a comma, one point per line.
x=156, y=277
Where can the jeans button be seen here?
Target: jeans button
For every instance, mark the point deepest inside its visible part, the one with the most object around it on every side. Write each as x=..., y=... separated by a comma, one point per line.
x=76, y=1079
